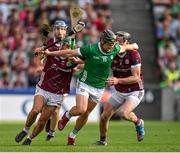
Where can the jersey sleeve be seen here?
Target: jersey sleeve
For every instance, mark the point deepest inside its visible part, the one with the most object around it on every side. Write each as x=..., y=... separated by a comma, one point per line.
x=84, y=51
x=117, y=48
x=135, y=59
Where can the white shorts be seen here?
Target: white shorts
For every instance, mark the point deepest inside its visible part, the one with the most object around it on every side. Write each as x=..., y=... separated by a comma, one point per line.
x=118, y=98
x=51, y=99
x=94, y=93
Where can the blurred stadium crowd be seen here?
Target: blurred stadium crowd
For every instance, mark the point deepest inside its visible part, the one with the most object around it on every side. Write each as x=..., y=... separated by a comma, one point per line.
x=20, y=24
x=167, y=20
x=21, y=21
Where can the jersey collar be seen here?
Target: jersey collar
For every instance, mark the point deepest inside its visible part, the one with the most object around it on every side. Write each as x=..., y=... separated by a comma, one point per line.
x=121, y=55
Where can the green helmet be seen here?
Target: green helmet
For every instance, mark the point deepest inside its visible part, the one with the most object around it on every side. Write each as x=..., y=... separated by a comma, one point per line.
x=108, y=36
x=123, y=35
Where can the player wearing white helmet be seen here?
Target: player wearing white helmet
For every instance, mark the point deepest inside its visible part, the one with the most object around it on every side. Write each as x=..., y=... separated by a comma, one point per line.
x=50, y=90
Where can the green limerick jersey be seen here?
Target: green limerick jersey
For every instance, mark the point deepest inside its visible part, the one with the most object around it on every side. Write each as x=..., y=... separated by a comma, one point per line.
x=97, y=64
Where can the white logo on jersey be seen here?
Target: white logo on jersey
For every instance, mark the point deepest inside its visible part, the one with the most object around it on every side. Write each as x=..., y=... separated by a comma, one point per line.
x=104, y=58
x=126, y=61
x=95, y=57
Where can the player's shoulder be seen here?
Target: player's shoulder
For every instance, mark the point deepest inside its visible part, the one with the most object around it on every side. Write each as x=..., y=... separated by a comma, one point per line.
x=88, y=49
x=92, y=47
x=134, y=52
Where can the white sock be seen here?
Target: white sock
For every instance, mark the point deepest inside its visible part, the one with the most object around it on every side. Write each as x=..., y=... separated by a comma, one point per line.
x=29, y=138
x=26, y=129
x=140, y=122
x=52, y=133
x=73, y=133
x=68, y=115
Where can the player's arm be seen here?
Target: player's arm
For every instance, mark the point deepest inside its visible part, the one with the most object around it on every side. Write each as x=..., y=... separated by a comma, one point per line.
x=128, y=47
x=43, y=59
x=136, y=71
x=39, y=65
x=133, y=46
x=62, y=53
x=82, y=52
x=76, y=60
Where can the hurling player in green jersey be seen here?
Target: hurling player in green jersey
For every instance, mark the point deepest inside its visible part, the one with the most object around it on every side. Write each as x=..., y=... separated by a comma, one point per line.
x=92, y=81
x=128, y=81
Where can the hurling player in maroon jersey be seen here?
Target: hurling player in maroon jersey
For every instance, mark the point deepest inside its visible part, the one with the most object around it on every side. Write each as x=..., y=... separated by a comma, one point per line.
x=50, y=90
x=128, y=82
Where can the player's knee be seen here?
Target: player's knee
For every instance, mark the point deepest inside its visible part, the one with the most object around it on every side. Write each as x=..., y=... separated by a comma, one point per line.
x=124, y=114
x=86, y=114
x=55, y=113
x=81, y=110
x=104, y=117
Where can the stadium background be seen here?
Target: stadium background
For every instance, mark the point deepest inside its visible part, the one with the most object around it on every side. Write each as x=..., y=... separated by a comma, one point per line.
x=154, y=25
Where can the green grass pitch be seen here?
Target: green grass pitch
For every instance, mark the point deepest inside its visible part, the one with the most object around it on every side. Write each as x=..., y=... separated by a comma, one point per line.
x=160, y=136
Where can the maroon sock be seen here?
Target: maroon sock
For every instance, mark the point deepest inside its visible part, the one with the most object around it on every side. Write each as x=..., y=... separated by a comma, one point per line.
x=136, y=123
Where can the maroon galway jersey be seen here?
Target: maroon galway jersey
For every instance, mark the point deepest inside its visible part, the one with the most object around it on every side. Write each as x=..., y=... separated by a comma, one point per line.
x=121, y=68
x=56, y=75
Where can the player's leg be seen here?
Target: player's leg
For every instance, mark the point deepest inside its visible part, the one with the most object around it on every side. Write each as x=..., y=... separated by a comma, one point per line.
x=125, y=111
x=47, y=111
x=80, y=122
x=47, y=126
x=107, y=113
x=81, y=105
x=52, y=101
x=110, y=107
x=80, y=108
x=94, y=97
x=36, y=109
x=82, y=96
x=53, y=124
